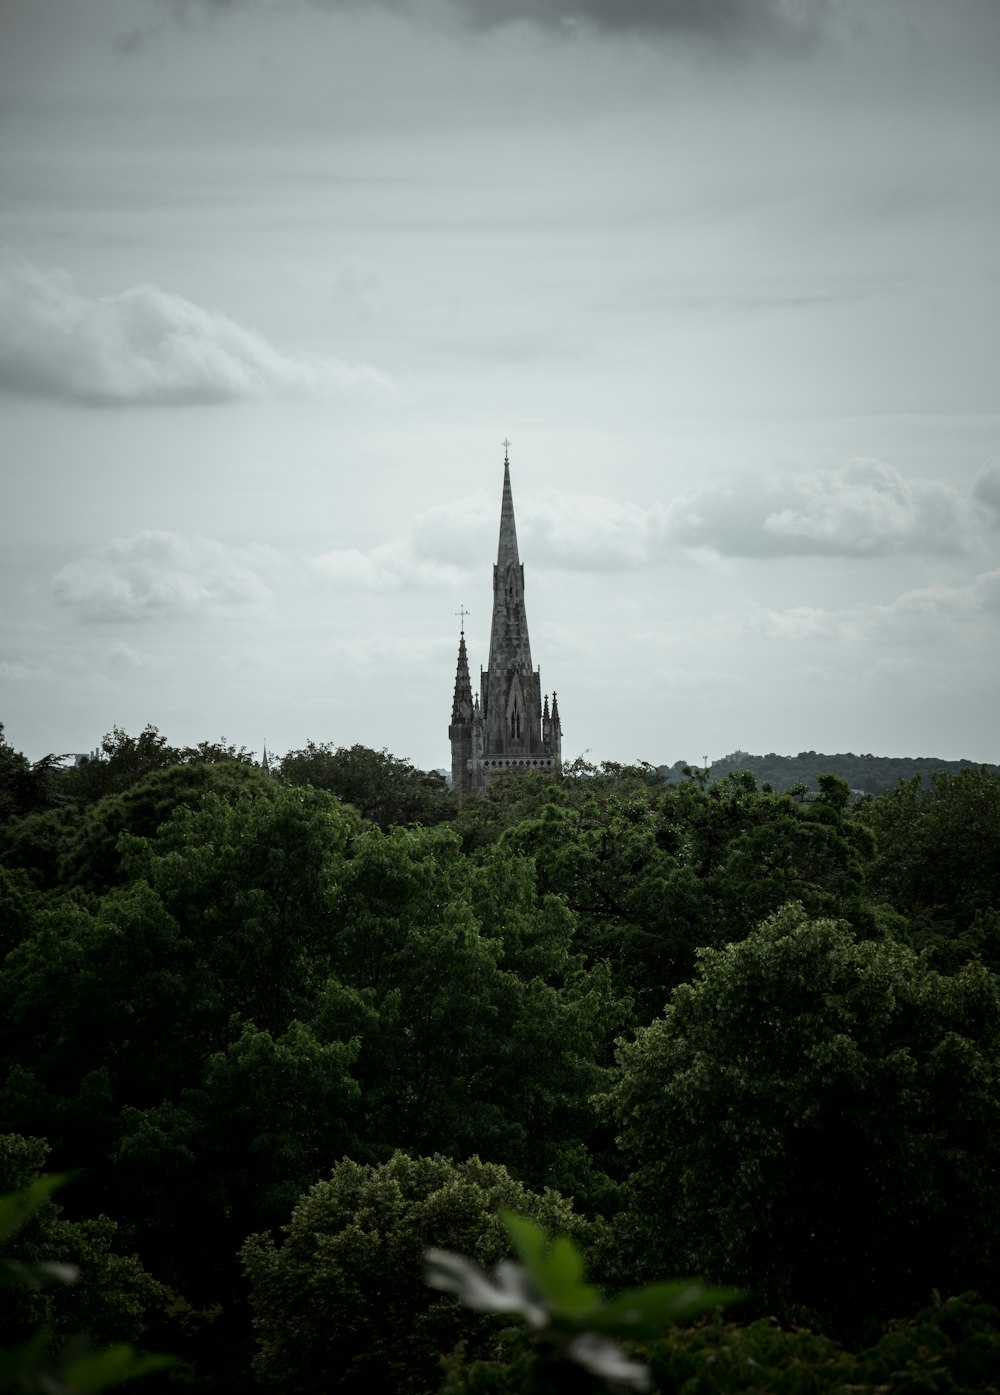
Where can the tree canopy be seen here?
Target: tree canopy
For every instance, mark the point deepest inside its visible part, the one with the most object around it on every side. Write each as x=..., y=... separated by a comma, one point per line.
x=331, y=1002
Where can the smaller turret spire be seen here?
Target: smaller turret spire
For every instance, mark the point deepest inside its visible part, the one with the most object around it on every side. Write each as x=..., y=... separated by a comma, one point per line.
x=462, y=706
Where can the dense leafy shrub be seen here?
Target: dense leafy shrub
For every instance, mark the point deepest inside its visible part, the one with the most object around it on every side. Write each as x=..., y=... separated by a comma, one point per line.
x=951, y=1348
x=341, y=1304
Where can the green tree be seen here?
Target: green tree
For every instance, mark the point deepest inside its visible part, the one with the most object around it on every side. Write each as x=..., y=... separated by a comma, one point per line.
x=250, y=880
x=27, y=787
x=818, y=1119
x=654, y=871
x=383, y=788
x=121, y=761
x=340, y=1303
x=113, y=1298
x=460, y=1052
x=938, y=853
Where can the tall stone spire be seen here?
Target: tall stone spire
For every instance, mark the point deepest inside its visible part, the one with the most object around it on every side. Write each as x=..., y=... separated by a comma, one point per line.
x=509, y=645
x=506, y=732
x=507, y=548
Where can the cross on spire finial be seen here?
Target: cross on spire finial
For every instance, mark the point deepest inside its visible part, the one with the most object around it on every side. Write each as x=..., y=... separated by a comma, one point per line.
x=506, y=448
x=462, y=612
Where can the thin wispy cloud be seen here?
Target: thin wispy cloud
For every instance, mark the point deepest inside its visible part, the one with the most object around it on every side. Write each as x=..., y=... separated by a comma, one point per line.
x=145, y=345
x=923, y=616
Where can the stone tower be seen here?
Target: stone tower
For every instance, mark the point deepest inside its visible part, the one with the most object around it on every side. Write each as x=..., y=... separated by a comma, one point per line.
x=508, y=728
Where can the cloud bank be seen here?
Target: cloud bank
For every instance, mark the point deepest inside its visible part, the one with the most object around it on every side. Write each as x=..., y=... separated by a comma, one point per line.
x=866, y=509
x=787, y=23
x=144, y=345
x=158, y=575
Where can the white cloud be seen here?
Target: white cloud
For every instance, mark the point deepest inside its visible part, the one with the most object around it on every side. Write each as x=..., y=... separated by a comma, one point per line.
x=144, y=345
x=390, y=567
x=924, y=615
x=800, y=622
x=942, y=606
x=160, y=575
x=589, y=532
x=865, y=509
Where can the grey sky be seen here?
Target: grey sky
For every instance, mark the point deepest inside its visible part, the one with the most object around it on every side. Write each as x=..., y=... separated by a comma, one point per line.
x=278, y=278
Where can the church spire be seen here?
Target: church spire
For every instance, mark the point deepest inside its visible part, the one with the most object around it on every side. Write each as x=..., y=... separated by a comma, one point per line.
x=507, y=546
x=509, y=645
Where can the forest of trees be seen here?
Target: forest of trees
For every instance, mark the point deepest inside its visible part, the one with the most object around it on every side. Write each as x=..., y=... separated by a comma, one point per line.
x=865, y=774
x=286, y=1030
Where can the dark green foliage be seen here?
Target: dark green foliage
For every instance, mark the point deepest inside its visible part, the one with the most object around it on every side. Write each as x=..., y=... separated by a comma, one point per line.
x=248, y=879
x=938, y=851
x=657, y=871
x=818, y=1120
x=40, y=1360
x=80, y=848
x=340, y=1303
x=384, y=789
x=122, y=761
x=113, y=1297
x=215, y=984
x=952, y=1348
x=36, y=844
x=459, y=1053
x=27, y=787
x=17, y=908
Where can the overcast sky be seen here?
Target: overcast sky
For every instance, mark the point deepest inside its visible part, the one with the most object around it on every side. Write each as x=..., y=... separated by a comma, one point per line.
x=278, y=279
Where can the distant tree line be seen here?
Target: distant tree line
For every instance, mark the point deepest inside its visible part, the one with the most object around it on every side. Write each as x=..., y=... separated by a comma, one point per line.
x=864, y=774
x=288, y=1029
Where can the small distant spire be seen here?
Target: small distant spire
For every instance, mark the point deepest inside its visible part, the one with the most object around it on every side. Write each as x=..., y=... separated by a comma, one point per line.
x=545, y=709
x=555, y=713
x=265, y=764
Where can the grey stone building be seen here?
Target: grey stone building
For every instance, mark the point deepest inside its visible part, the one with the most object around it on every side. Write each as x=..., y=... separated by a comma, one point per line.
x=508, y=727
